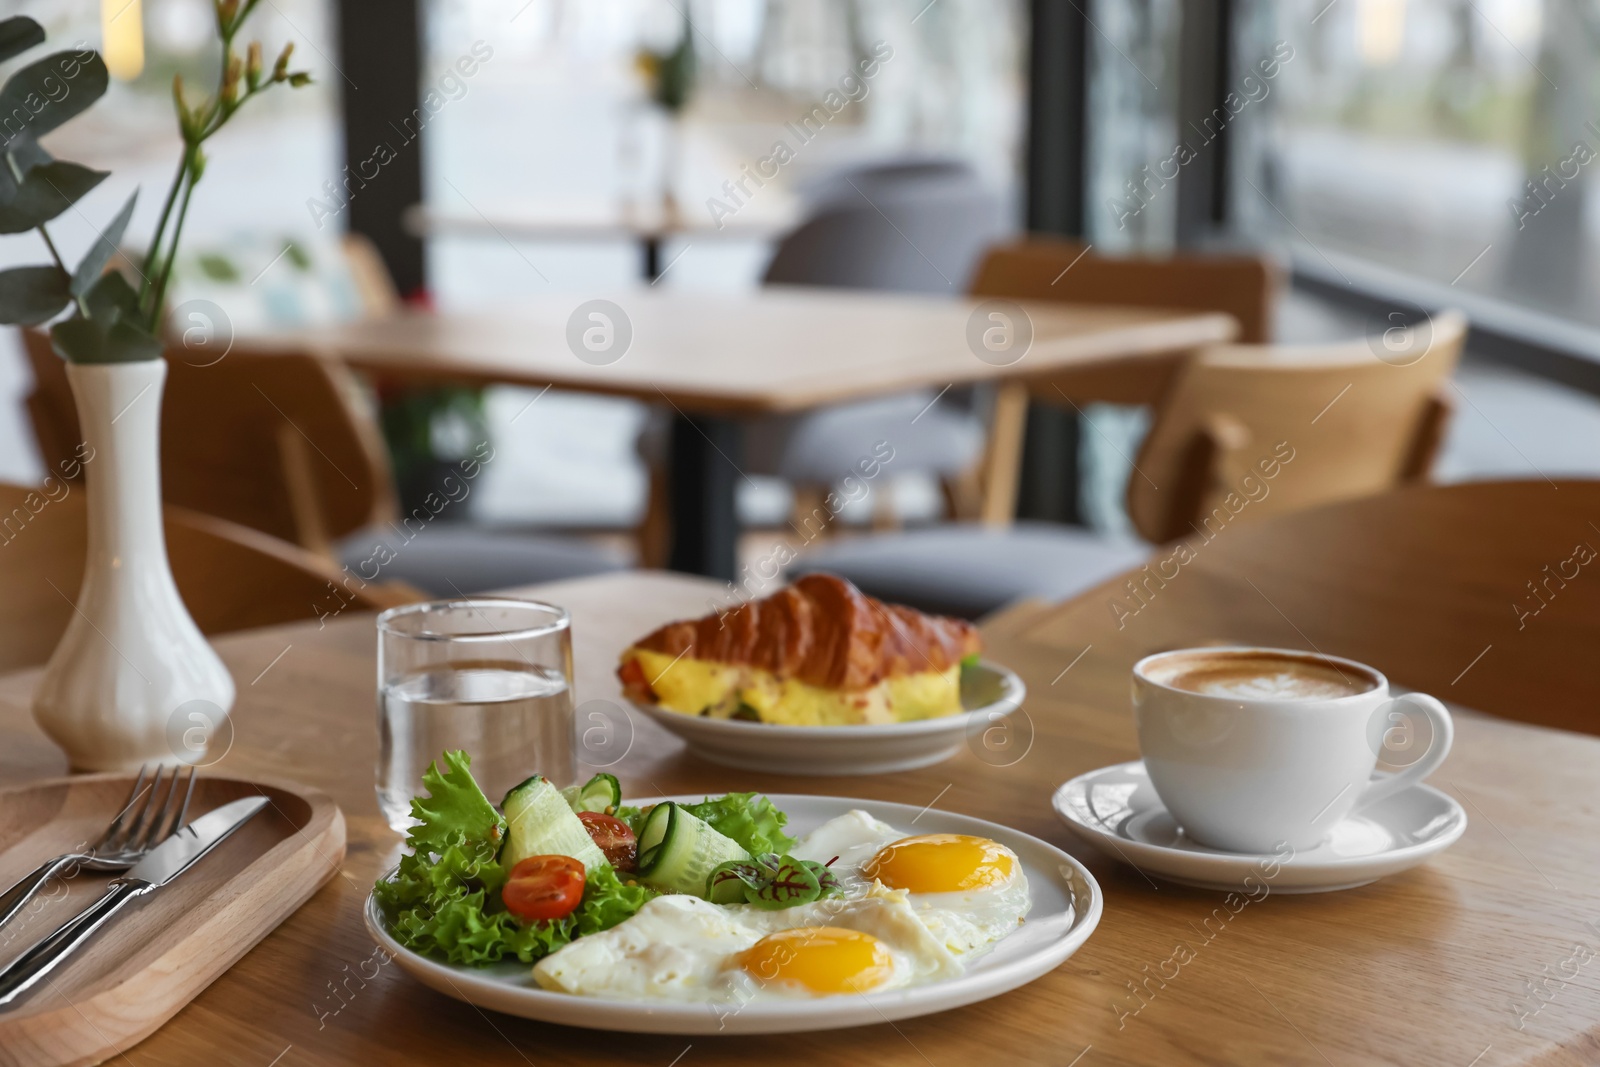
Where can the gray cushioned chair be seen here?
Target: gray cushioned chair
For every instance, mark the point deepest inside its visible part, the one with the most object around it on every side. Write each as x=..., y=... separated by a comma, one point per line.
x=916, y=226
x=448, y=559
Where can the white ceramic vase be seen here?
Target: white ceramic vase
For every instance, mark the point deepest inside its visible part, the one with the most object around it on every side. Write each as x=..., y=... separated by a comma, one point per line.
x=131, y=657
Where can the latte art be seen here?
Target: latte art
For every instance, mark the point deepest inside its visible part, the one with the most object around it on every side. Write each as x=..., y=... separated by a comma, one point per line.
x=1259, y=676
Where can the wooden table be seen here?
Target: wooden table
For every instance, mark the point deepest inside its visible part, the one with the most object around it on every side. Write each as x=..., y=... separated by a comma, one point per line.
x=713, y=359
x=1428, y=967
x=651, y=226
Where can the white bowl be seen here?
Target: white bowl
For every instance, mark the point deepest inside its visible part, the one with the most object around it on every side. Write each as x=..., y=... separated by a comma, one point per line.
x=989, y=692
x=1066, y=905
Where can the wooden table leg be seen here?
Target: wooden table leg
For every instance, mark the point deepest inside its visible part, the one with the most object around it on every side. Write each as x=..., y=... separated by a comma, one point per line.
x=704, y=481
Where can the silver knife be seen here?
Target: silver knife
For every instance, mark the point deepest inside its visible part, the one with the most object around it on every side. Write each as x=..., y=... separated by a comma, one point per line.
x=163, y=863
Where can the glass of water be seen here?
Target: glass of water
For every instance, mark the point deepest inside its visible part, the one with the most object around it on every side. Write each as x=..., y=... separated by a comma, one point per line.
x=488, y=675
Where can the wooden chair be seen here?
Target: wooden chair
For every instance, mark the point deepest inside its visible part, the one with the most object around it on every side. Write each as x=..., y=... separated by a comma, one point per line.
x=231, y=577
x=283, y=443
x=1245, y=432
x=1043, y=268
x=1355, y=423
x=1480, y=593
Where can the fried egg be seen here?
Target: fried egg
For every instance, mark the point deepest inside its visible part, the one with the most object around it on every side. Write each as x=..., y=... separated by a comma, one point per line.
x=686, y=949
x=915, y=909
x=968, y=891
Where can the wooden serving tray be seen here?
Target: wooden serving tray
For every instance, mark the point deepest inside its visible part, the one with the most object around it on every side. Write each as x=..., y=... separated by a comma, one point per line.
x=166, y=947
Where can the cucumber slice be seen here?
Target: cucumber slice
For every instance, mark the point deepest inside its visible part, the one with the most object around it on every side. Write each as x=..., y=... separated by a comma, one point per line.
x=601, y=793
x=540, y=823
x=678, y=852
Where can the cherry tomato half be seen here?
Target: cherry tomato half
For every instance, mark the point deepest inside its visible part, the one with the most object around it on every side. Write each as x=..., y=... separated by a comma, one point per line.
x=614, y=837
x=544, y=887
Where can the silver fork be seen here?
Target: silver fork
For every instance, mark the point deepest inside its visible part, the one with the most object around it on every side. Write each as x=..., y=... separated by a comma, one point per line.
x=143, y=823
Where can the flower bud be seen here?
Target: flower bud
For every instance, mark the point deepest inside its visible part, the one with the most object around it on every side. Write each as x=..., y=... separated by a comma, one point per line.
x=230, y=79
x=185, y=116
x=253, y=64
x=280, y=69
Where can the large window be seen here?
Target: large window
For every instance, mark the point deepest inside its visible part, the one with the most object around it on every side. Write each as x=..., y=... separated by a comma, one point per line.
x=1454, y=141
x=559, y=123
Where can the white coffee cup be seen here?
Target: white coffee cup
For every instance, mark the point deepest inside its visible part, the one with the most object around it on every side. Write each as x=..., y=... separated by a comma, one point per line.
x=1249, y=760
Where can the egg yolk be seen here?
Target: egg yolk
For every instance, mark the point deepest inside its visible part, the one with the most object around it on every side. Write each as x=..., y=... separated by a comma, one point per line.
x=822, y=959
x=941, y=863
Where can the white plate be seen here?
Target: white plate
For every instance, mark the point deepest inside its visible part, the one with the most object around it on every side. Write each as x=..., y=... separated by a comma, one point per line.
x=1116, y=809
x=1066, y=908
x=989, y=693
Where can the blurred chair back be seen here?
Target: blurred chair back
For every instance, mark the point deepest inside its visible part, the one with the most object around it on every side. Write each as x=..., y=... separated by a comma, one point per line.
x=230, y=577
x=924, y=238
x=1048, y=269
x=877, y=179
x=1041, y=268
x=1249, y=430
x=284, y=443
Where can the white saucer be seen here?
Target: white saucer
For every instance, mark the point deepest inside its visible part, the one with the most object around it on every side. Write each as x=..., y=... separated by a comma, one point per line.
x=989, y=692
x=1116, y=809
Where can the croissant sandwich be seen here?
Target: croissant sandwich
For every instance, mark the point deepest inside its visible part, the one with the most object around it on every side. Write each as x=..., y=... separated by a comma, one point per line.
x=816, y=653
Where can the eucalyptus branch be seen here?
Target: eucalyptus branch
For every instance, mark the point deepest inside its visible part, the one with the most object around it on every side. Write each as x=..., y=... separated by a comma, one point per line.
x=55, y=254
x=153, y=258
x=238, y=81
x=172, y=255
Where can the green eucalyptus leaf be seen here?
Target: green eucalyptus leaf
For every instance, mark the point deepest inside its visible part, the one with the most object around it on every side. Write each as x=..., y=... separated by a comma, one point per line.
x=49, y=92
x=31, y=295
x=111, y=297
x=21, y=156
x=45, y=192
x=77, y=340
x=111, y=332
x=128, y=342
x=18, y=34
x=93, y=264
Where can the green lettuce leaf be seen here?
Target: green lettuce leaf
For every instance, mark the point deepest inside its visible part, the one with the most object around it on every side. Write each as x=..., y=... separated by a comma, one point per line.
x=444, y=899
x=749, y=818
x=450, y=909
x=454, y=806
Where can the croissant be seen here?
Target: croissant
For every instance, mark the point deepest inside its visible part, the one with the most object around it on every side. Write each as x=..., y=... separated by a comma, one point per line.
x=821, y=633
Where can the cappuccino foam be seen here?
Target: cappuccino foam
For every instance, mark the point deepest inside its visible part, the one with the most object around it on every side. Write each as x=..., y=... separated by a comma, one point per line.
x=1259, y=676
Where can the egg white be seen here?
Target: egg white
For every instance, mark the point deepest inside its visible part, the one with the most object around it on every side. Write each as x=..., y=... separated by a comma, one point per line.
x=686, y=949
x=681, y=948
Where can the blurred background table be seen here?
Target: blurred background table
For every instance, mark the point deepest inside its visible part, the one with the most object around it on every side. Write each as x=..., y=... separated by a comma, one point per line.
x=651, y=227
x=714, y=359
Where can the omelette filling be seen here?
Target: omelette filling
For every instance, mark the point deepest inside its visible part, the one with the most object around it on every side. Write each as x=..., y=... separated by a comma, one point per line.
x=736, y=691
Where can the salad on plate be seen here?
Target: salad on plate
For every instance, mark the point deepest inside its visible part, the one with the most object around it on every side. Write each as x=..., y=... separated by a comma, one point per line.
x=708, y=901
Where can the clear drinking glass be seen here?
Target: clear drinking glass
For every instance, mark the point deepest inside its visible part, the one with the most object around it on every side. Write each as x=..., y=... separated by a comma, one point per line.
x=488, y=675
